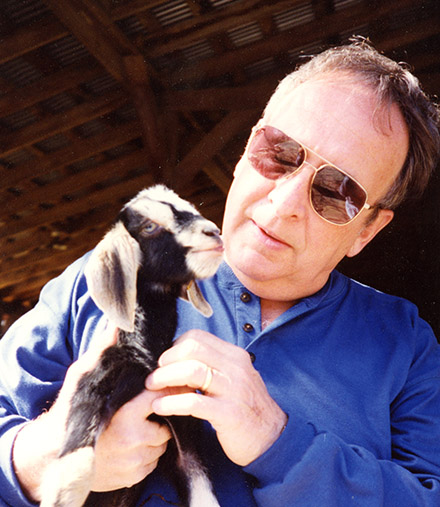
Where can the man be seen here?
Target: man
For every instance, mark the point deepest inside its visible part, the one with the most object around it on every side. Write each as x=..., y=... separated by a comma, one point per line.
x=318, y=390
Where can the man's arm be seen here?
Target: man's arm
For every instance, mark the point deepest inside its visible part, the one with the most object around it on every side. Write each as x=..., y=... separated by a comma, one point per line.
x=304, y=462
x=312, y=463
x=36, y=367
x=126, y=451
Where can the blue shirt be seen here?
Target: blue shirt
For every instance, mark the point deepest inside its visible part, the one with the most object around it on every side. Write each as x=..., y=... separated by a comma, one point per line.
x=357, y=371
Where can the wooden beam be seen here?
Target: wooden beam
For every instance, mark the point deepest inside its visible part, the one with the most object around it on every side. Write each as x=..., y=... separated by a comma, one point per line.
x=61, y=122
x=79, y=150
x=30, y=37
x=60, y=259
x=88, y=29
x=211, y=144
x=220, y=178
x=48, y=86
x=145, y=102
x=393, y=39
x=97, y=31
x=53, y=193
x=47, y=237
x=131, y=7
x=252, y=96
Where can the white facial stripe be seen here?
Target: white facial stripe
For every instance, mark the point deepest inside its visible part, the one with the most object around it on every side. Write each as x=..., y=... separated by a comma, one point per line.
x=155, y=203
x=162, y=193
x=156, y=211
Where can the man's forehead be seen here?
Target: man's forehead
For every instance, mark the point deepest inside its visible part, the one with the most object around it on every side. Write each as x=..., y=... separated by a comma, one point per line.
x=338, y=106
x=312, y=98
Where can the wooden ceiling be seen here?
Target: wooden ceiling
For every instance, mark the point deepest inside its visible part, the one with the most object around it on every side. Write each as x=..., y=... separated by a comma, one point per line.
x=99, y=98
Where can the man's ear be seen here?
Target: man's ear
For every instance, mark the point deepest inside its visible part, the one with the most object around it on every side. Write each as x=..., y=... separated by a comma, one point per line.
x=383, y=218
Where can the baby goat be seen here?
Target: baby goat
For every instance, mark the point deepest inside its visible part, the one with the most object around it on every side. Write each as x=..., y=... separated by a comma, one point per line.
x=159, y=245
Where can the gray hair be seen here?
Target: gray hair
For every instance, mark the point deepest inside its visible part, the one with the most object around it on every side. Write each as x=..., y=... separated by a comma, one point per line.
x=392, y=83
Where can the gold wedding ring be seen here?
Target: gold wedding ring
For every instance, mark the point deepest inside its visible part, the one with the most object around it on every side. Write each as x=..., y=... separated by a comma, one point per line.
x=208, y=380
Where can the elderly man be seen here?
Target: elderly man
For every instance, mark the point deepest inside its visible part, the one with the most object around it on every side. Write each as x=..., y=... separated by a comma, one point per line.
x=316, y=390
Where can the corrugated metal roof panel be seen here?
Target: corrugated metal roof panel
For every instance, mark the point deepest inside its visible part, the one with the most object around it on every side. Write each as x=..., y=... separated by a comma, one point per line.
x=125, y=113
x=19, y=72
x=342, y=4
x=20, y=119
x=101, y=85
x=23, y=12
x=17, y=158
x=91, y=128
x=306, y=51
x=67, y=51
x=260, y=68
x=222, y=3
x=245, y=34
x=298, y=15
x=59, y=103
x=132, y=27
x=53, y=143
x=197, y=51
x=172, y=12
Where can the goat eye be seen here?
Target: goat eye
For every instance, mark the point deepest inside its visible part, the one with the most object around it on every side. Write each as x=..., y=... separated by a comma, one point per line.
x=150, y=227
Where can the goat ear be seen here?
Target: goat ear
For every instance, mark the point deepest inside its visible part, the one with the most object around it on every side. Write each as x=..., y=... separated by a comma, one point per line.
x=111, y=275
x=194, y=295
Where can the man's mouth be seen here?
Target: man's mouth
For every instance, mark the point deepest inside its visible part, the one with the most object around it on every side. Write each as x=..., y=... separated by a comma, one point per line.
x=270, y=235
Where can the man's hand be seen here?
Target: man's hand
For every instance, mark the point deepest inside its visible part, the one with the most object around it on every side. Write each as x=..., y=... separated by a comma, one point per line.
x=130, y=448
x=247, y=420
x=126, y=451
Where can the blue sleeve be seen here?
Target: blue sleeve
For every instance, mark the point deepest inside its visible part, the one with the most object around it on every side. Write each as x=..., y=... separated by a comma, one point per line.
x=34, y=356
x=317, y=467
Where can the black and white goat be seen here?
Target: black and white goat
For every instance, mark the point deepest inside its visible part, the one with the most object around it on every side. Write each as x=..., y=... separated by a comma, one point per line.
x=156, y=250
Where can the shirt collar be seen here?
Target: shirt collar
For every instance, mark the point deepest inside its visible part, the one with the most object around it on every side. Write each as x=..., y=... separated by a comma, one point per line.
x=336, y=283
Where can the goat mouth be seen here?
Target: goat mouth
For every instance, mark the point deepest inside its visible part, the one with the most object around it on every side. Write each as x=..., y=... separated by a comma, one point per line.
x=217, y=248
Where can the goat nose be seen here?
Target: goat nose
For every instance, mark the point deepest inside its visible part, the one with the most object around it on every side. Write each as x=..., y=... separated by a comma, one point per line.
x=211, y=231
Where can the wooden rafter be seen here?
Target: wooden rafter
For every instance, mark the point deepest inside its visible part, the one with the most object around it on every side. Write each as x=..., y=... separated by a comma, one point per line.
x=61, y=122
x=93, y=27
x=211, y=144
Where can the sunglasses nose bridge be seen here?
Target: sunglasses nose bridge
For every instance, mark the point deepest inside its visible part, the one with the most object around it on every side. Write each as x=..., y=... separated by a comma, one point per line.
x=306, y=163
x=290, y=194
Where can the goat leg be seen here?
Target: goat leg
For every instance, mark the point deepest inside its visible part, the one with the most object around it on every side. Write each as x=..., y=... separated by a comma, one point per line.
x=191, y=477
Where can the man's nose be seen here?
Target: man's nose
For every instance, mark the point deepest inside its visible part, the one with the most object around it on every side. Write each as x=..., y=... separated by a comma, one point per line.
x=290, y=195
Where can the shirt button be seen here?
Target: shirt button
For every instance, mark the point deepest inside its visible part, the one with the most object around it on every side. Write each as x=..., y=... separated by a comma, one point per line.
x=248, y=327
x=252, y=356
x=245, y=297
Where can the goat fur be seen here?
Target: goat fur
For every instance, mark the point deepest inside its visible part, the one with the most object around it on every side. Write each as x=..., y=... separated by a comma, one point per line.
x=153, y=254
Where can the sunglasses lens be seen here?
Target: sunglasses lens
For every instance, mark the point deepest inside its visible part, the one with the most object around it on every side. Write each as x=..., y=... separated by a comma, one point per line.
x=273, y=154
x=336, y=196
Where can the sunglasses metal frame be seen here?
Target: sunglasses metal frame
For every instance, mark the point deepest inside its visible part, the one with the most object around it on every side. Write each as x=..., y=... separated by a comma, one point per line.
x=326, y=163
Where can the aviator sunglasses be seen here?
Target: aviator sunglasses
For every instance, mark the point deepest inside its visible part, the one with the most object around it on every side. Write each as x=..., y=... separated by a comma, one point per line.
x=335, y=196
